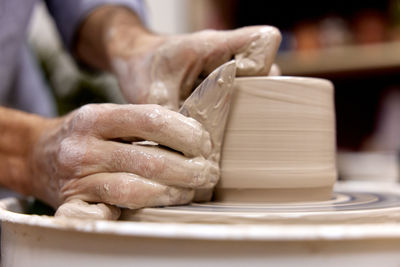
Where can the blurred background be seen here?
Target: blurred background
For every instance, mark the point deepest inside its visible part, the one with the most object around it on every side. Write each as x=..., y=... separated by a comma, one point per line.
x=355, y=44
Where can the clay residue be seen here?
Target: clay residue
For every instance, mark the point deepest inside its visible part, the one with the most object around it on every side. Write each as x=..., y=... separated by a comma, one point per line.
x=169, y=66
x=258, y=56
x=79, y=209
x=210, y=104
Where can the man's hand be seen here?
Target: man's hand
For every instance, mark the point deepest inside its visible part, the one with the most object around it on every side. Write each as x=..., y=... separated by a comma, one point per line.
x=85, y=157
x=164, y=69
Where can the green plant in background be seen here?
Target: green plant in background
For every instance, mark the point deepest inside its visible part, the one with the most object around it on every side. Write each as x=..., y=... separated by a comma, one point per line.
x=83, y=89
x=84, y=92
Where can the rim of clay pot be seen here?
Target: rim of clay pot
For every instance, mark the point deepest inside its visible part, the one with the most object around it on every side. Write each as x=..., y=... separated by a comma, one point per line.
x=207, y=231
x=287, y=79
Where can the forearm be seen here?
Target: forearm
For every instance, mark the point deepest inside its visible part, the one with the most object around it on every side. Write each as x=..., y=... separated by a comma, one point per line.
x=18, y=133
x=104, y=32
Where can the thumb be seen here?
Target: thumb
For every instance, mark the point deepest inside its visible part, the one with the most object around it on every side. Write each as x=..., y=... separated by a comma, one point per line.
x=77, y=208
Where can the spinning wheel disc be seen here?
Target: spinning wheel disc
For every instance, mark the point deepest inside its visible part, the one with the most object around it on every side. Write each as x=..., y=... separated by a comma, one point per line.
x=348, y=205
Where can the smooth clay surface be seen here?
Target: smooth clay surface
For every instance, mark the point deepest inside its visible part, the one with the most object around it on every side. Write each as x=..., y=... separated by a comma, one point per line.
x=209, y=104
x=280, y=141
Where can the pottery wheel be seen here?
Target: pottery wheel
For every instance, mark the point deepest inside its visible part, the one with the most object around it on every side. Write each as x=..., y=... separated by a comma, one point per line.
x=350, y=203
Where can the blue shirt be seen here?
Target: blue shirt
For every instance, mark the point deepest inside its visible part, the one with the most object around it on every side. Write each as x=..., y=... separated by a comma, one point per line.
x=21, y=83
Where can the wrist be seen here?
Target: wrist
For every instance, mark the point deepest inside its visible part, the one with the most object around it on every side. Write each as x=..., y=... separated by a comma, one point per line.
x=125, y=38
x=20, y=132
x=107, y=32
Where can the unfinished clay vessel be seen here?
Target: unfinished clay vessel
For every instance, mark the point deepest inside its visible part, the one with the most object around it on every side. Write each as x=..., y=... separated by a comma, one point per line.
x=280, y=141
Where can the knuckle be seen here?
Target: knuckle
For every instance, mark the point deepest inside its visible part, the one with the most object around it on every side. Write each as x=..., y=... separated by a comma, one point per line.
x=179, y=196
x=200, y=134
x=153, y=167
x=202, y=173
x=86, y=112
x=200, y=139
x=158, y=94
x=136, y=161
x=119, y=160
x=188, y=47
x=84, y=118
x=171, y=196
x=113, y=193
x=212, y=172
x=198, y=181
x=70, y=155
x=154, y=118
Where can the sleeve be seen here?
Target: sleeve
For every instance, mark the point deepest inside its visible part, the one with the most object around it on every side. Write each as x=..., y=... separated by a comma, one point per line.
x=69, y=14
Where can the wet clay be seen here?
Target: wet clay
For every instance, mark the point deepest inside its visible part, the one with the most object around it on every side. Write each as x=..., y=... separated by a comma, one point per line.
x=352, y=203
x=258, y=56
x=280, y=135
x=170, y=65
x=209, y=104
x=80, y=209
x=85, y=166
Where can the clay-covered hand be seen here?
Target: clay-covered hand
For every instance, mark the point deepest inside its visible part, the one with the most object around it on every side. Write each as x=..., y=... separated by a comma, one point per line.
x=85, y=157
x=164, y=69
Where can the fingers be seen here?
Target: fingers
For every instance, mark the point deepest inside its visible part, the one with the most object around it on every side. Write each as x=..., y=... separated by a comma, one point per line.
x=153, y=123
x=126, y=190
x=77, y=208
x=152, y=162
x=254, y=48
x=169, y=66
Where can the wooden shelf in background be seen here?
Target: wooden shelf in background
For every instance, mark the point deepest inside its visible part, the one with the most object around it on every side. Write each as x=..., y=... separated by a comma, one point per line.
x=330, y=61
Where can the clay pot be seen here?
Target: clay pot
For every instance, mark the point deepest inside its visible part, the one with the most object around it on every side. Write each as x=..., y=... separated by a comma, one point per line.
x=280, y=141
